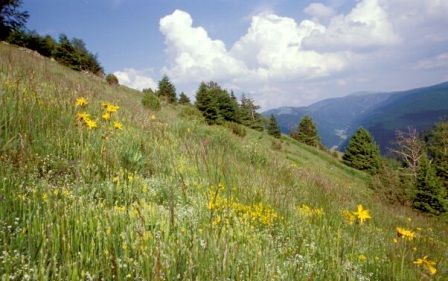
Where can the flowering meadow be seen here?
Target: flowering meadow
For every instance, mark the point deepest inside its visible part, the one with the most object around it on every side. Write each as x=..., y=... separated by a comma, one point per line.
x=94, y=186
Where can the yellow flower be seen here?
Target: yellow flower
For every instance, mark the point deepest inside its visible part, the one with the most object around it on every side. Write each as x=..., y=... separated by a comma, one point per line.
x=349, y=217
x=430, y=265
x=82, y=102
x=111, y=108
x=362, y=258
x=44, y=196
x=124, y=246
x=153, y=117
x=105, y=104
x=405, y=234
x=82, y=116
x=106, y=116
x=90, y=123
x=362, y=214
x=118, y=125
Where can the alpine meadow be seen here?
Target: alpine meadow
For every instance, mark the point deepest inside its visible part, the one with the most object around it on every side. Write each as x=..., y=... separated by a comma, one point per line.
x=96, y=186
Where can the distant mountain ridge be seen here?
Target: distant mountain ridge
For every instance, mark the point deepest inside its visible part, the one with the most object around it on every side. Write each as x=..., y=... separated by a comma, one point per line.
x=380, y=113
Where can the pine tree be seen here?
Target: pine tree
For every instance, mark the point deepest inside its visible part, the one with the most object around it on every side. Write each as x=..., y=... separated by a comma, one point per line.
x=206, y=103
x=184, y=99
x=306, y=132
x=166, y=90
x=362, y=152
x=438, y=150
x=248, y=114
x=273, y=128
x=11, y=18
x=430, y=193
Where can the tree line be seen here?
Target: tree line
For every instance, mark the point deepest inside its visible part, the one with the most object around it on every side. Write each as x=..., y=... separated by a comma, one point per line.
x=70, y=52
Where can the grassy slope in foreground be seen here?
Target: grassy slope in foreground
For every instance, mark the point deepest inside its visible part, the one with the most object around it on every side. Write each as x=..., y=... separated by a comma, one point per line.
x=169, y=198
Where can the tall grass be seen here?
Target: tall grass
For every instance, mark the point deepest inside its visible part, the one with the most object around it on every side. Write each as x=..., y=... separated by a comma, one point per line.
x=170, y=198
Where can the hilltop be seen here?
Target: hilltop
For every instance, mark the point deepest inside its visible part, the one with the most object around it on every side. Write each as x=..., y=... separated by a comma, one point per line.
x=165, y=196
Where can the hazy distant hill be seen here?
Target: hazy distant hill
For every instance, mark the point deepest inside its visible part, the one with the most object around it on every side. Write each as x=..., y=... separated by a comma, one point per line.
x=381, y=113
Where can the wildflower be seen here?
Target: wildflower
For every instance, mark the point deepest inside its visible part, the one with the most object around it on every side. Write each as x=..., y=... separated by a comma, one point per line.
x=66, y=192
x=82, y=116
x=105, y=104
x=362, y=258
x=349, y=216
x=405, y=234
x=430, y=265
x=118, y=125
x=90, y=123
x=82, y=102
x=106, y=116
x=44, y=196
x=124, y=246
x=153, y=117
x=111, y=108
x=362, y=214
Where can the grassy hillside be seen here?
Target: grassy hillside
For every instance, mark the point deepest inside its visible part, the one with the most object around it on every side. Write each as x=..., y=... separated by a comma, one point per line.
x=169, y=198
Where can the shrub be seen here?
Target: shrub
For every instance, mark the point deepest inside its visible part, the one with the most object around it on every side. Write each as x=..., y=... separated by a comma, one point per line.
x=150, y=100
x=236, y=128
x=112, y=79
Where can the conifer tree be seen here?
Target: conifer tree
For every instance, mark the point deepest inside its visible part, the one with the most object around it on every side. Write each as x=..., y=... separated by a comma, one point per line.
x=362, y=152
x=11, y=18
x=438, y=150
x=206, y=103
x=430, y=193
x=306, y=132
x=166, y=90
x=273, y=128
x=184, y=99
x=248, y=114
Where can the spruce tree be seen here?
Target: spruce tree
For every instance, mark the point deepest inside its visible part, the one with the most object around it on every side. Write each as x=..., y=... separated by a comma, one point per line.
x=430, y=193
x=438, y=150
x=362, y=152
x=273, y=128
x=206, y=103
x=306, y=132
x=183, y=99
x=166, y=90
x=248, y=114
x=11, y=18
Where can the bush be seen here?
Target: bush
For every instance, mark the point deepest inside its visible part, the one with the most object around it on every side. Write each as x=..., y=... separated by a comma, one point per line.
x=190, y=112
x=112, y=79
x=150, y=100
x=236, y=128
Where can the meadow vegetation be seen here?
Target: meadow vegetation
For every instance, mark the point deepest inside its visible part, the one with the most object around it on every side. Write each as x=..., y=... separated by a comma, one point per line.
x=96, y=186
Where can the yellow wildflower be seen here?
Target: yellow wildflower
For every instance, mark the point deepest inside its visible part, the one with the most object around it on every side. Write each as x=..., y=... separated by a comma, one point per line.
x=82, y=116
x=90, y=123
x=362, y=214
x=111, y=108
x=82, y=102
x=118, y=125
x=430, y=265
x=405, y=234
x=124, y=246
x=349, y=217
x=105, y=104
x=106, y=116
x=362, y=258
x=44, y=196
x=153, y=117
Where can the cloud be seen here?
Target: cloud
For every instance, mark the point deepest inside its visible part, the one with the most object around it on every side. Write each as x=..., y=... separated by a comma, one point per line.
x=193, y=54
x=280, y=60
x=439, y=61
x=135, y=79
x=366, y=27
x=319, y=12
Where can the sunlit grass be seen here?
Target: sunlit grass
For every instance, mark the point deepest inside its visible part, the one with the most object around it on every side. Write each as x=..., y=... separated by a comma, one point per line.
x=154, y=196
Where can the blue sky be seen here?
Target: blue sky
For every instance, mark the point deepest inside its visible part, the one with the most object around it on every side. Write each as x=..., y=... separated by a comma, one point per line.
x=281, y=53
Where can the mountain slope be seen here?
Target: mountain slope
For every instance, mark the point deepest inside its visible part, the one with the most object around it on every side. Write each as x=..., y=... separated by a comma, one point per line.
x=168, y=197
x=381, y=113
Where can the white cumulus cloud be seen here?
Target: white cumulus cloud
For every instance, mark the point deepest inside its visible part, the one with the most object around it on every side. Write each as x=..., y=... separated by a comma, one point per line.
x=135, y=79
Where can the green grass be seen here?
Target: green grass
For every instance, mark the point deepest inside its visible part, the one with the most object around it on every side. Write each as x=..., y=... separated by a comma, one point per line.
x=170, y=198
